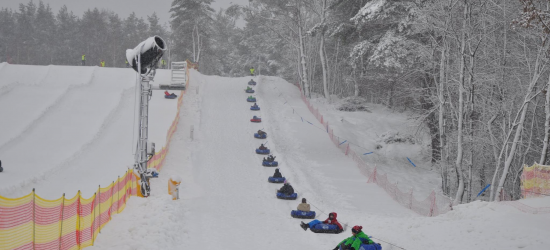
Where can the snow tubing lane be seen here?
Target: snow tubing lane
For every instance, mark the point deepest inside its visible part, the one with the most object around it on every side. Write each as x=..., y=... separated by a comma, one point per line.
x=257, y=136
x=326, y=229
x=272, y=179
x=302, y=214
x=262, y=151
x=255, y=108
x=287, y=197
x=270, y=164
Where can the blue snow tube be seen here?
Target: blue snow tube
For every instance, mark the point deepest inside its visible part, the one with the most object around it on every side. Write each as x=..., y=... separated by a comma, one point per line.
x=374, y=246
x=255, y=108
x=251, y=99
x=302, y=214
x=170, y=96
x=251, y=83
x=286, y=196
x=326, y=228
x=270, y=163
x=257, y=136
x=249, y=91
x=272, y=179
x=262, y=151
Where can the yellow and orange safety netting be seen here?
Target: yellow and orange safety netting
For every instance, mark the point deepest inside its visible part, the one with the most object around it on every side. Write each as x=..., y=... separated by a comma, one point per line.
x=535, y=180
x=31, y=222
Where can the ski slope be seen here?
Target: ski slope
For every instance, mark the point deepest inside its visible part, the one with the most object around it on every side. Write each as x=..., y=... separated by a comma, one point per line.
x=67, y=128
x=227, y=203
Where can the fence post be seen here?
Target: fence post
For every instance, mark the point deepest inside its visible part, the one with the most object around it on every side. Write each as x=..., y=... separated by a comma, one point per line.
x=432, y=205
x=118, y=194
x=93, y=221
x=62, y=216
x=99, y=202
x=33, y=219
x=411, y=199
x=79, y=212
x=111, y=207
x=347, y=149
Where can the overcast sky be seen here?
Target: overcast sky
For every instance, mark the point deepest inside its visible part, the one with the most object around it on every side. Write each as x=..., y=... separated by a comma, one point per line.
x=123, y=8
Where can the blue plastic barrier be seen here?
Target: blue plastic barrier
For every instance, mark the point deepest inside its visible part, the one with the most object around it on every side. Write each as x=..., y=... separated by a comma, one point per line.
x=272, y=179
x=302, y=214
x=257, y=136
x=262, y=151
x=255, y=108
x=270, y=163
x=287, y=197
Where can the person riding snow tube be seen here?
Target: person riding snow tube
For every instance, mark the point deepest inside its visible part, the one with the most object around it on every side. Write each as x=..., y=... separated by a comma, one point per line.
x=358, y=241
x=286, y=192
x=270, y=161
x=330, y=225
x=277, y=177
x=256, y=119
x=249, y=90
x=255, y=107
x=170, y=96
x=252, y=82
x=262, y=150
x=251, y=99
x=303, y=211
x=260, y=135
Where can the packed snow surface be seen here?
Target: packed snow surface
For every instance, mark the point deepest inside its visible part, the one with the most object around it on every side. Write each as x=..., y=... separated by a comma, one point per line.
x=227, y=203
x=67, y=128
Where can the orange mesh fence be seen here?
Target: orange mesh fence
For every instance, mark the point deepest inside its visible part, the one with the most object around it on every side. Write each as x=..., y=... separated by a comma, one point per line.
x=31, y=222
x=535, y=181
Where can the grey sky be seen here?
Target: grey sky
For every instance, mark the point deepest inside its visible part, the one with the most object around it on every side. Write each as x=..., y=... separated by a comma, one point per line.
x=123, y=8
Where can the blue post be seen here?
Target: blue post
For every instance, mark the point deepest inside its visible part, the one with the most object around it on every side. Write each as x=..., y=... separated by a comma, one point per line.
x=343, y=142
x=368, y=153
x=483, y=190
x=411, y=161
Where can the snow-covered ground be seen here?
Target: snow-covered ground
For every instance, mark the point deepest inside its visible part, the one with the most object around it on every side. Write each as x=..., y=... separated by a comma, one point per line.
x=227, y=203
x=67, y=128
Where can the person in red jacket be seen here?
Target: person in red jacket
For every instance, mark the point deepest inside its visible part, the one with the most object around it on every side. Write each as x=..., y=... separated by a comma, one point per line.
x=330, y=220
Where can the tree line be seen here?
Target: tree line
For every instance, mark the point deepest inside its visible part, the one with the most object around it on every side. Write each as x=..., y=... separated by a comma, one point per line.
x=34, y=35
x=474, y=72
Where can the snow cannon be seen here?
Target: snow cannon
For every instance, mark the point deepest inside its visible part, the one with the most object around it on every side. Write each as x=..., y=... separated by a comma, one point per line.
x=262, y=151
x=251, y=99
x=256, y=119
x=149, y=52
x=326, y=228
x=258, y=136
x=249, y=91
x=302, y=214
x=283, y=196
x=270, y=163
x=255, y=108
x=272, y=179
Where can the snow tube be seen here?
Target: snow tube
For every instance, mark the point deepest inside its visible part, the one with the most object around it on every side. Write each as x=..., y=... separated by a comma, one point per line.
x=262, y=151
x=170, y=96
x=249, y=91
x=256, y=120
x=272, y=179
x=251, y=83
x=287, y=197
x=255, y=108
x=251, y=99
x=302, y=214
x=326, y=228
x=270, y=163
x=257, y=136
x=374, y=246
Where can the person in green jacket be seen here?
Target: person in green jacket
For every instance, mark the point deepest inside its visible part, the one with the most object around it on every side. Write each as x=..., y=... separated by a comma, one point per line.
x=83, y=60
x=354, y=242
x=252, y=71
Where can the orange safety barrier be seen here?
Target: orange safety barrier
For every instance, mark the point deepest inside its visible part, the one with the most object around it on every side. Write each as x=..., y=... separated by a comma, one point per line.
x=31, y=222
x=535, y=181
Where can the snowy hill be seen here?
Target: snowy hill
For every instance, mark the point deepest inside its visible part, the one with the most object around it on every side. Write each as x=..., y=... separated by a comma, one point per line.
x=67, y=128
x=227, y=203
